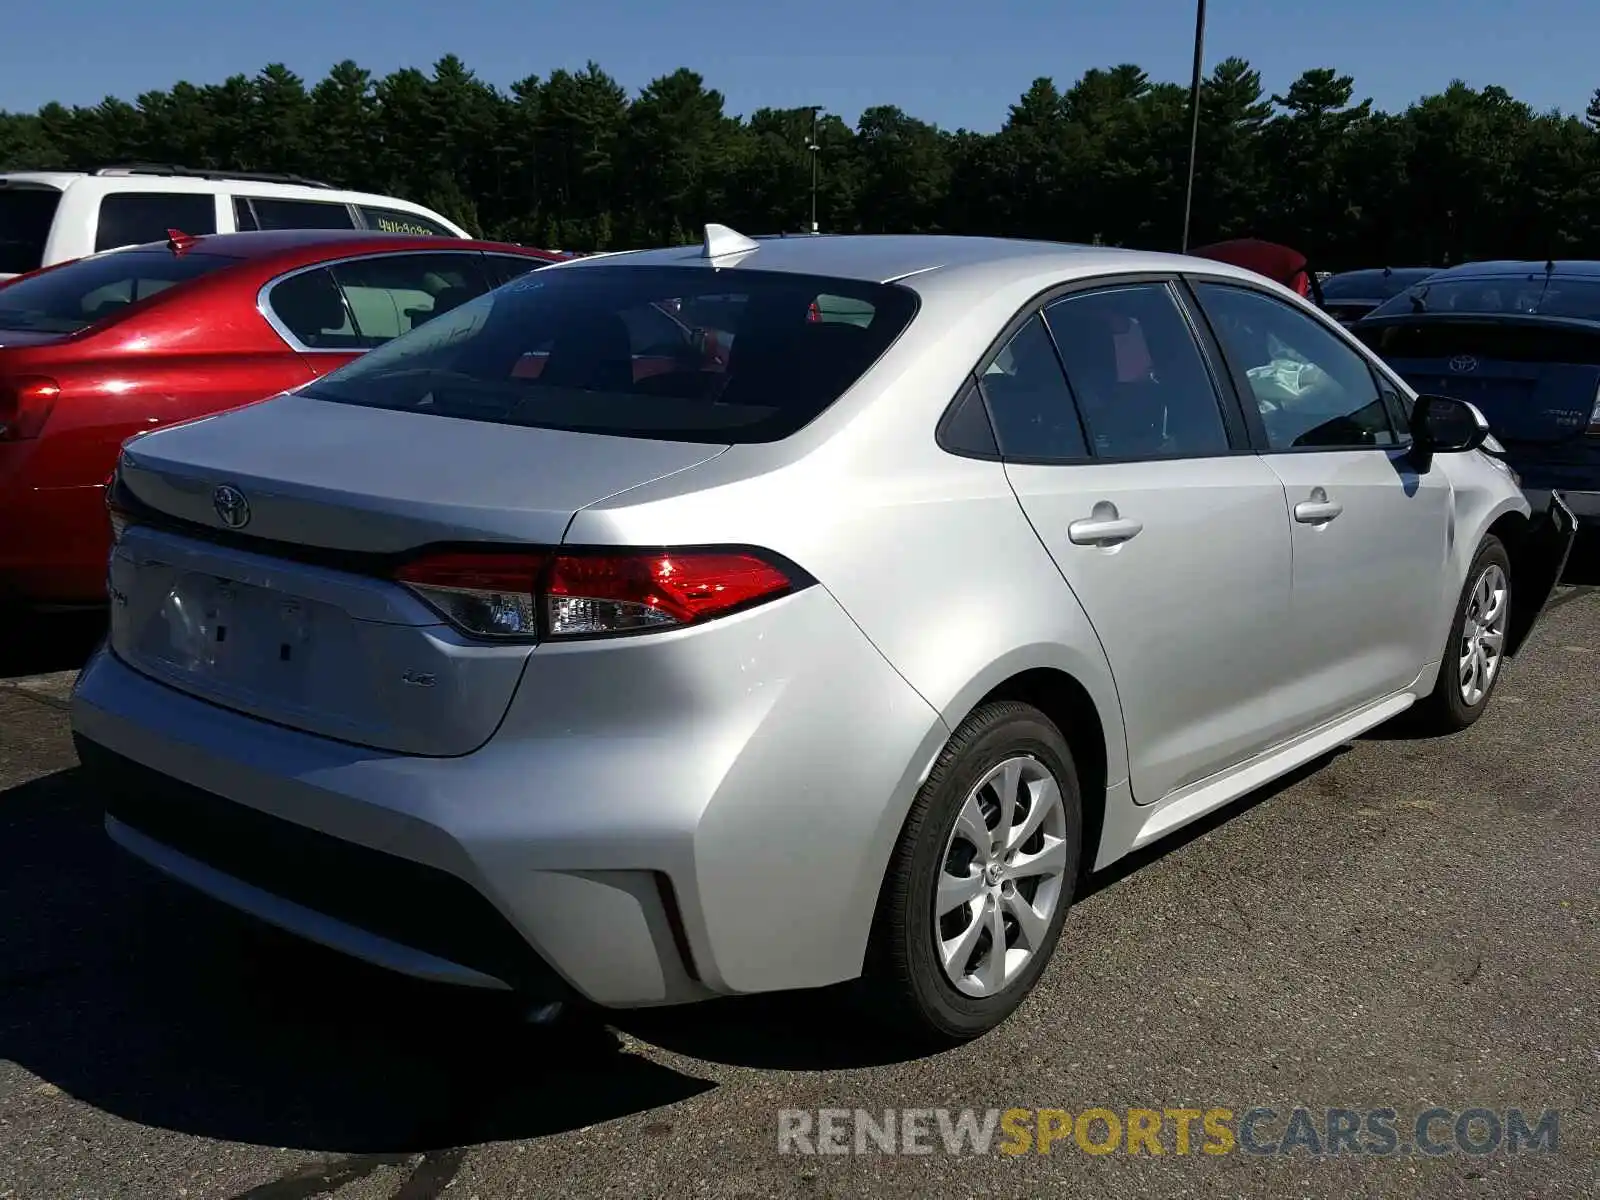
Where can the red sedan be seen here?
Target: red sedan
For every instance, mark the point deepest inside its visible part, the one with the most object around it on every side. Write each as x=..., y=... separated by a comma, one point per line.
x=95, y=350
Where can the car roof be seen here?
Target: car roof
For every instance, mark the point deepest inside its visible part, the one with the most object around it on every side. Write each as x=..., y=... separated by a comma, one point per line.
x=925, y=261
x=55, y=179
x=316, y=242
x=1376, y=273
x=1580, y=267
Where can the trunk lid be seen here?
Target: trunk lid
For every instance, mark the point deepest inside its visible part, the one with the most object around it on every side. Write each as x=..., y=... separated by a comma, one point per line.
x=379, y=481
x=1534, y=378
x=285, y=617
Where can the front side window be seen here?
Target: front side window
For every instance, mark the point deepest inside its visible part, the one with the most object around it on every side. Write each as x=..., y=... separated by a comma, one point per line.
x=1312, y=390
x=620, y=350
x=1141, y=383
x=134, y=218
x=82, y=293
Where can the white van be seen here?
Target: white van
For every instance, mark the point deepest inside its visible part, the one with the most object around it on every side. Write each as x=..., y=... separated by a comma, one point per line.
x=48, y=217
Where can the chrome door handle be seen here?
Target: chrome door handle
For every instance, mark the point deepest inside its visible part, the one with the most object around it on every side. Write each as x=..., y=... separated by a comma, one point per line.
x=1103, y=531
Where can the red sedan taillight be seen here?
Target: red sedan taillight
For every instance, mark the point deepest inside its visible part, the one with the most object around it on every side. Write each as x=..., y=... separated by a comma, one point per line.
x=556, y=594
x=25, y=404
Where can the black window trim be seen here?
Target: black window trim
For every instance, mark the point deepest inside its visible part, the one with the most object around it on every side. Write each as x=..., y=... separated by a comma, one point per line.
x=946, y=440
x=1224, y=384
x=1383, y=379
x=264, y=304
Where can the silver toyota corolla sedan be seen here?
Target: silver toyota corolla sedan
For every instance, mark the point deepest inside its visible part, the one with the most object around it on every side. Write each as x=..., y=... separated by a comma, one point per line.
x=766, y=614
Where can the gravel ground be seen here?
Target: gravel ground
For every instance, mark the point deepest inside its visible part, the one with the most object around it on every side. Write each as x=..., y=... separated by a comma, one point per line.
x=1409, y=924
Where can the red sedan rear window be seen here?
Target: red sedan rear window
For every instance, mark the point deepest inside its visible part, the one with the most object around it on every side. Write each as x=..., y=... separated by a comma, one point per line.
x=83, y=293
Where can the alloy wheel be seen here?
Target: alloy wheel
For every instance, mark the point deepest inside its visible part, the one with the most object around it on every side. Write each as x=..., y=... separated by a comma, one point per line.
x=1001, y=877
x=1483, y=634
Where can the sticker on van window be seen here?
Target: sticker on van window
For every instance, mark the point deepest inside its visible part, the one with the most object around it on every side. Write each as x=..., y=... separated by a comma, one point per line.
x=390, y=225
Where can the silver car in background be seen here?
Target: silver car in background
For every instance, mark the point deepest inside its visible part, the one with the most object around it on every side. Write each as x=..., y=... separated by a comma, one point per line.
x=832, y=629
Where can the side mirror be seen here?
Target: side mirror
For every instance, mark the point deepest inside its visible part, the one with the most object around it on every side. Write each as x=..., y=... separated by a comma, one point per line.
x=1445, y=425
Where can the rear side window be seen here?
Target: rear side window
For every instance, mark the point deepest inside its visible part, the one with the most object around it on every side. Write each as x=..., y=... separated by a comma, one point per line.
x=134, y=218
x=311, y=310
x=842, y=309
x=1137, y=372
x=393, y=220
x=26, y=214
x=271, y=213
x=364, y=303
x=633, y=351
x=1031, y=407
x=79, y=294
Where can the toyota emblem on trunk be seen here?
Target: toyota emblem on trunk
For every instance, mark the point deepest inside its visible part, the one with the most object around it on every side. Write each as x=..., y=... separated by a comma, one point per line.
x=232, y=508
x=1463, y=362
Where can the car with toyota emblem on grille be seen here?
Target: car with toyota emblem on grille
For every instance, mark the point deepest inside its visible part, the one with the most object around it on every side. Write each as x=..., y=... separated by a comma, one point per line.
x=1521, y=341
x=972, y=566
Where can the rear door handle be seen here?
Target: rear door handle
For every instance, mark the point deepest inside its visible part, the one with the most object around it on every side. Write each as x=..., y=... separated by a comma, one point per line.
x=1103, y=531
x=1318, y=510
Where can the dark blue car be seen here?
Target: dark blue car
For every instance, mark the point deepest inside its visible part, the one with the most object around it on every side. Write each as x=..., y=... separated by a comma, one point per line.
x=1351, y=295
x=1522, y=342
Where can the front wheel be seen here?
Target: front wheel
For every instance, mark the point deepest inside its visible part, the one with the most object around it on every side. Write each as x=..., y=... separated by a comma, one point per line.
x=981, y=880
x=1476, y=652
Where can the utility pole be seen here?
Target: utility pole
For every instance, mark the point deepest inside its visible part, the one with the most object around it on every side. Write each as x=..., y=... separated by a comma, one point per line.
x=815, y=149
x=1194, y=108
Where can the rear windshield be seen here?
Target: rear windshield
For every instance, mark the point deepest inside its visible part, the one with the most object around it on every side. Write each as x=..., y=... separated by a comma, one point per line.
x=1534, y=293
x=25, y=217
x=675, y=353
x=79, y=294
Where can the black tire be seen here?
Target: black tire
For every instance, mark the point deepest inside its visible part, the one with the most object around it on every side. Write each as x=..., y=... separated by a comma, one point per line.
x=905, y=983
x=1445, y=710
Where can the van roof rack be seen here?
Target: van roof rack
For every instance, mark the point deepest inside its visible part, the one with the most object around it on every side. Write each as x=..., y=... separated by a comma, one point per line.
x=174, y=171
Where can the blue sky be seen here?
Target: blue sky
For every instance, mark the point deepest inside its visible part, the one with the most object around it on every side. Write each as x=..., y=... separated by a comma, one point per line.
x=949, y=62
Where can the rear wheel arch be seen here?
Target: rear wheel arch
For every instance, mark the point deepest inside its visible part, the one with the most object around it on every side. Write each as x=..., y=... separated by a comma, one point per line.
x=1071, y=709
x=1068, y=705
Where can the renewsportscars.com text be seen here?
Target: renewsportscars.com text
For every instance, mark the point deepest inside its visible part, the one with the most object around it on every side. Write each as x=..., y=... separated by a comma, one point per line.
x=1100, y=1130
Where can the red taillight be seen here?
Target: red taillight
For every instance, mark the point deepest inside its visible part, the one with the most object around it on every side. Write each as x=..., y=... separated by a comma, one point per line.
x=557, y=595
x=622, y=593
x=25, y=404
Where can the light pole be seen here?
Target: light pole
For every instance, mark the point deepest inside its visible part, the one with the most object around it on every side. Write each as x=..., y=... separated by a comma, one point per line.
x=815, y=148
x=1194, y=119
